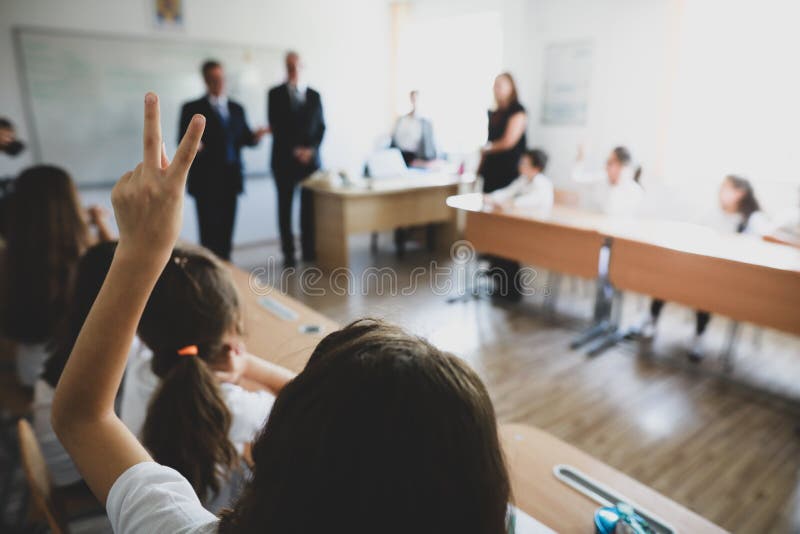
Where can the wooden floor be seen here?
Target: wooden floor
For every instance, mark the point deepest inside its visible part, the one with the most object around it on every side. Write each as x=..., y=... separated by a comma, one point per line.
x=726, y=446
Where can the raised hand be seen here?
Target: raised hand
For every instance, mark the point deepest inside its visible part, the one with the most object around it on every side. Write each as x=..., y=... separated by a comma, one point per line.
x=148, y=201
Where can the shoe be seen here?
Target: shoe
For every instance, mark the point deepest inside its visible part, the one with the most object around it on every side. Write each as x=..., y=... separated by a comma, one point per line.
x=697, y=350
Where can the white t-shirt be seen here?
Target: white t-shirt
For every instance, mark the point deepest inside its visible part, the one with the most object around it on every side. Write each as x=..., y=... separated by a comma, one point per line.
x=31, y=358
x=529, y=193
x=150, y=497
x=622, y=199
x=249, y=409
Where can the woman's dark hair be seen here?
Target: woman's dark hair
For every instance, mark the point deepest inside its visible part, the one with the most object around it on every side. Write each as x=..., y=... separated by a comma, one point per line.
x=748, y=204
x=381, y=432
x=537, y=156
x=623, y=155
x=46, y=234
x=91, y=272
x=194, y=302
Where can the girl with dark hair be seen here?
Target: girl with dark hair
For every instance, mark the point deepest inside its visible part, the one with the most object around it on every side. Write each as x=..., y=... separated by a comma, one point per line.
x=46, y=232
x=743, y=215
x=616, y=191
x=173, y=397
x=380, y=432
x=90, y=273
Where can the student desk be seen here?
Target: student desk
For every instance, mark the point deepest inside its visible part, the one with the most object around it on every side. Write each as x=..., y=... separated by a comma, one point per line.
x=564, y=239
x=531, y=455
x=379, y=205
x=271, y=337
x=740, y=277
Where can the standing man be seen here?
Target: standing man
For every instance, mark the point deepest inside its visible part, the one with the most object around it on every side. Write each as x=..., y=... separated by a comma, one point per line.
x=297, y=124
x=215, y=178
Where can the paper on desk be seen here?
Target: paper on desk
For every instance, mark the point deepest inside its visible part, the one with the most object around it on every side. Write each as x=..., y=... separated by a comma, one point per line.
x=525, y=524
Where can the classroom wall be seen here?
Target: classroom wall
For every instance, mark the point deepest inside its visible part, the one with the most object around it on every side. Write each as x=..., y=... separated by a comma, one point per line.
x=345, y=45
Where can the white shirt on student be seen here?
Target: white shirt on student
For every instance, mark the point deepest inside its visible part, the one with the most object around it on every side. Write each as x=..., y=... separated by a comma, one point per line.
x=621, y=199
x=249, y=409
x=149, y=497
x=527, y=193
x=758, y=224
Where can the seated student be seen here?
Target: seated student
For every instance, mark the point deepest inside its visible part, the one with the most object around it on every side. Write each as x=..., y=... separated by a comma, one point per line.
x=741, y=214
x=180, y=393
x=381, y=430
x=615, y=191
x=46, y=233
x=531, y=191
x=91, y=272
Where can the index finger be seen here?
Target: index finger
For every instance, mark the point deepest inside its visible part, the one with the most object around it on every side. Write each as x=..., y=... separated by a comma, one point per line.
x=152, y=131
x=188, y=147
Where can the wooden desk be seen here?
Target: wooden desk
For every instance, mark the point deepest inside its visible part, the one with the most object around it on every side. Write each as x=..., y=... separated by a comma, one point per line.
x=531, y=455
x=273, y=338
x=741, y=277
x=564, y=240
x=380, y=205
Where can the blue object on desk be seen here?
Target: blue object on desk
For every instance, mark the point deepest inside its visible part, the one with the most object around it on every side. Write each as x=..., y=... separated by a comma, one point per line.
x=620, y=519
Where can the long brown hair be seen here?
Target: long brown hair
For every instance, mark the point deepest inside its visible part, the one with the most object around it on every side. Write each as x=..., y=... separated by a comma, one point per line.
x=514, y=98
x=89, y=277
x=195, y=303
x=47, y=234
x=380, y=428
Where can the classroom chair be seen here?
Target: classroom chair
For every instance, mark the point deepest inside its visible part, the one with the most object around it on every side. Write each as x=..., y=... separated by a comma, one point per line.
x=56, y=505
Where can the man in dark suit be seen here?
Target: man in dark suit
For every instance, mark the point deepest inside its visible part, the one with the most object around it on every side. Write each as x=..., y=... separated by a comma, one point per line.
x=297, y=124
x=215, y=178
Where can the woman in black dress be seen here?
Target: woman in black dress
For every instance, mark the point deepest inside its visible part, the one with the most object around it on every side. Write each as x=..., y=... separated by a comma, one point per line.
x=507, y=124
x=499, y=162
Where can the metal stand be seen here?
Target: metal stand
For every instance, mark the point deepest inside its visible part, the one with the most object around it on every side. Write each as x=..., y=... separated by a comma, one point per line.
x=605, y=321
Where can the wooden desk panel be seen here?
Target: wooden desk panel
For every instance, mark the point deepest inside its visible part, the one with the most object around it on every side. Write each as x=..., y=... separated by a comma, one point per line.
x=563, y=249
x=384, y=205
x=760, y=294
x=531, y=455
x=273, y=338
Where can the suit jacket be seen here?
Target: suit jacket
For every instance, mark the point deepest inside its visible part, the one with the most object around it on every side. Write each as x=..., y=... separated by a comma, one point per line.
x=292, y=128
x=211, y=172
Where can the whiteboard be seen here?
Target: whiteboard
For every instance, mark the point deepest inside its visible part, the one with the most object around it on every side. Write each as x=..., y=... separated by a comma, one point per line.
x=84, y=95
x=567, y=75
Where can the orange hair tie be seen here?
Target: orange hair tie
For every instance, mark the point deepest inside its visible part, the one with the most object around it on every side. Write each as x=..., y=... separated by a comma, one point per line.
x=188, y=350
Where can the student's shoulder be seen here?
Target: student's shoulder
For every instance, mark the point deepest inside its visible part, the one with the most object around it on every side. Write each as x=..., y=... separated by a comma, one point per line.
x=149, y=497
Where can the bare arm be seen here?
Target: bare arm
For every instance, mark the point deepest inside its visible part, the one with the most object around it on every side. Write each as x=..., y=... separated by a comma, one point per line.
x=148, y=203
x=270, y=375
x=253, y=372
x=514, y=130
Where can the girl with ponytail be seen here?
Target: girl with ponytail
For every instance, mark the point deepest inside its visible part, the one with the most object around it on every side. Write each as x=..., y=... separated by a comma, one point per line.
x=195, y=422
